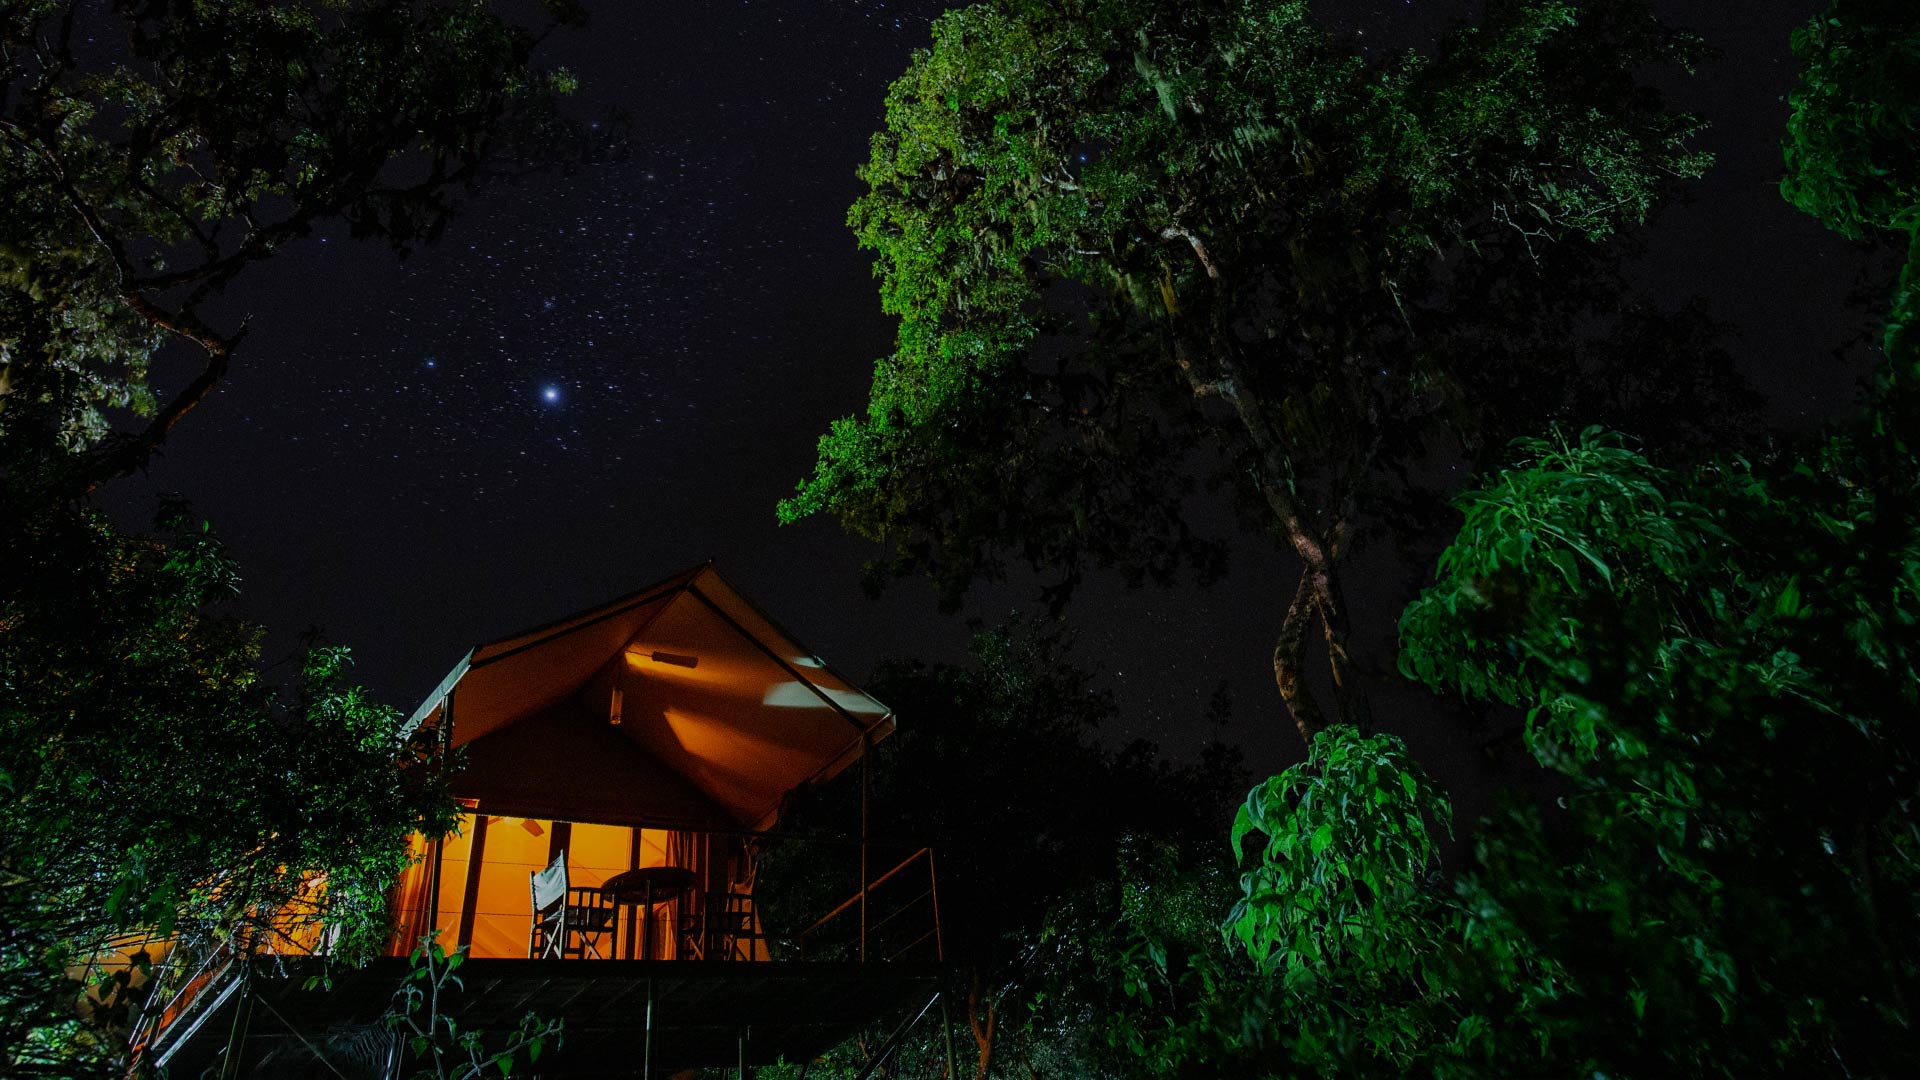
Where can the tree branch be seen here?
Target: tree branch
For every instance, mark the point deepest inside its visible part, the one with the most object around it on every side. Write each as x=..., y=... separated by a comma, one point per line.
x=127, y=454
x=1180, y=232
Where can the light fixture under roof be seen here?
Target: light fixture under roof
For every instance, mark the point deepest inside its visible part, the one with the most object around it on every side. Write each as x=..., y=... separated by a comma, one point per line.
x=676, y=659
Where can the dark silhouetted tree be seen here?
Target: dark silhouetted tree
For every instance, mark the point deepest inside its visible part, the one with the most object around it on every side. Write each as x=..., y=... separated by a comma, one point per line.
x=1239, y=228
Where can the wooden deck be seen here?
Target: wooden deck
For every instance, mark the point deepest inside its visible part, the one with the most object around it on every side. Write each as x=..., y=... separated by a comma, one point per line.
x=791, y=1010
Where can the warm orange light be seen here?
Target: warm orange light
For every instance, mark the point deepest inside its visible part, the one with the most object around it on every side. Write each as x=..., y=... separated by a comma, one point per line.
x=716, y=668
x=658, y=657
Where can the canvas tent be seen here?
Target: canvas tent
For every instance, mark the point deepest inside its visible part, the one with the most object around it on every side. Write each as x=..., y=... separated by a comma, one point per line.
x=681, y=705
x=659, y=729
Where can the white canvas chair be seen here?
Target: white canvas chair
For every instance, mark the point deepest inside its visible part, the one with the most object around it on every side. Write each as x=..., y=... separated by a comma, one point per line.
x=732, y=931
x=568, y=922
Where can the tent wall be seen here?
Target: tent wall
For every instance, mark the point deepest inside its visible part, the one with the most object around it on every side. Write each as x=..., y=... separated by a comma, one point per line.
x=491, y=910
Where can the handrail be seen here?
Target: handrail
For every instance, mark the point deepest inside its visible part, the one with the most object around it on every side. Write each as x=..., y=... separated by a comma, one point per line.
x=858, y=896
x=159, y=1015
x=933, y=892
x=152, y=1024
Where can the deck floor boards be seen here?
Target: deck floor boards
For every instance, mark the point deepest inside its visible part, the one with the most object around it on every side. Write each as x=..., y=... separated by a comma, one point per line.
x=789, y=1010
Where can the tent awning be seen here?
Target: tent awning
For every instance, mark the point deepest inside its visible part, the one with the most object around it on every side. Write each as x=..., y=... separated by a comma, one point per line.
x=688, y=675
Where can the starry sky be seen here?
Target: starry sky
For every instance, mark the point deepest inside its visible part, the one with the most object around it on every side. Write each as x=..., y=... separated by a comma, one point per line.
x=595, y=380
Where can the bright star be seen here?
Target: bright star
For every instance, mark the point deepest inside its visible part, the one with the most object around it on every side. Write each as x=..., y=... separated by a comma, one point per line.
x=551, y=393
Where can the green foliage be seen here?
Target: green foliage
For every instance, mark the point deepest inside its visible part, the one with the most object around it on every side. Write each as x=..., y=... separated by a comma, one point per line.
x=158, y=788
x=1578, y=522
x=1264, y=213
x=1718, y=663
x=1853, y=141
x=1338, y=893
x=1731, y=887
x=1853, y=137
x=438, y=1044
x=1727, y=883
x=1134, y=978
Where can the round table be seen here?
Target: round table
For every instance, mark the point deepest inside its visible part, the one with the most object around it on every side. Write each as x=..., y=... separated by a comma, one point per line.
x=644, y=888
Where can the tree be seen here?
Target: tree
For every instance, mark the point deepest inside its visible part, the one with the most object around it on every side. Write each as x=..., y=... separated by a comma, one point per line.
x=1720, y=665
x=143, y=177
x=1258, y=235
x=160, y=794
x=1852, y=160
x=155, y=785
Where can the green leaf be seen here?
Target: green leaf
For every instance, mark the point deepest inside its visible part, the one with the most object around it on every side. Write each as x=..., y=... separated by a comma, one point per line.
x=1322, y=839
x=1242, y=825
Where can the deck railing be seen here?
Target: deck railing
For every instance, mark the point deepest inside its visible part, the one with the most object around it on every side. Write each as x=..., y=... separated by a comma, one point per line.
x=896, y=916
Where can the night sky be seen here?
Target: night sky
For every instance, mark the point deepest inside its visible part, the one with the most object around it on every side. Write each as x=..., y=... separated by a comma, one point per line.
x=593, y=381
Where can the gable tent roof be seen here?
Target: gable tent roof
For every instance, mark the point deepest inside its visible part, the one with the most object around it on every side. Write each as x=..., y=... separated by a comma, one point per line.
x=707, y=687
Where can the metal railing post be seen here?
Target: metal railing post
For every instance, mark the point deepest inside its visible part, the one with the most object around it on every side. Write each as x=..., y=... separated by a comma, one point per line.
x=242, y=1019
x=939, y=937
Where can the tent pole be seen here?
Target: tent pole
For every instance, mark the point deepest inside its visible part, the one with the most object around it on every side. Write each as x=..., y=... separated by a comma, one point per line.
x=432, y=922
x=446, y=727
x=646, y=1055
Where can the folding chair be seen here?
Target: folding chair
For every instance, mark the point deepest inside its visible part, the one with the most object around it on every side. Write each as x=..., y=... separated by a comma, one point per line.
x=732, y=931
x=568, y=922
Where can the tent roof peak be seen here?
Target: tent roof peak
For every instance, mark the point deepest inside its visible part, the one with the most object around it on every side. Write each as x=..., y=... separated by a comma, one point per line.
x=690, y=670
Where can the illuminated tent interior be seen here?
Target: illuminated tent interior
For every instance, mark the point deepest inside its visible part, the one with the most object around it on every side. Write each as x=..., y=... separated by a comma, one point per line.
x=663, y=728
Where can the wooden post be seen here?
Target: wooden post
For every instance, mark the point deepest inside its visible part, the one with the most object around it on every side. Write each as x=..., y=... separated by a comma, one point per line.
x=470, y=898
x=646, y=921
x=633, y=917
x=432, y=921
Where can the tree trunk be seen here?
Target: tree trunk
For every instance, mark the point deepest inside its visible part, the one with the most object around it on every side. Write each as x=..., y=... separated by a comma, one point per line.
x=1319, y=591
x=982, y=1033
x=1331, y=606
x=1289, y=660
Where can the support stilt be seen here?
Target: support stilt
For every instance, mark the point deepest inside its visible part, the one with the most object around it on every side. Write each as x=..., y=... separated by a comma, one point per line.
x=893, y=1041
